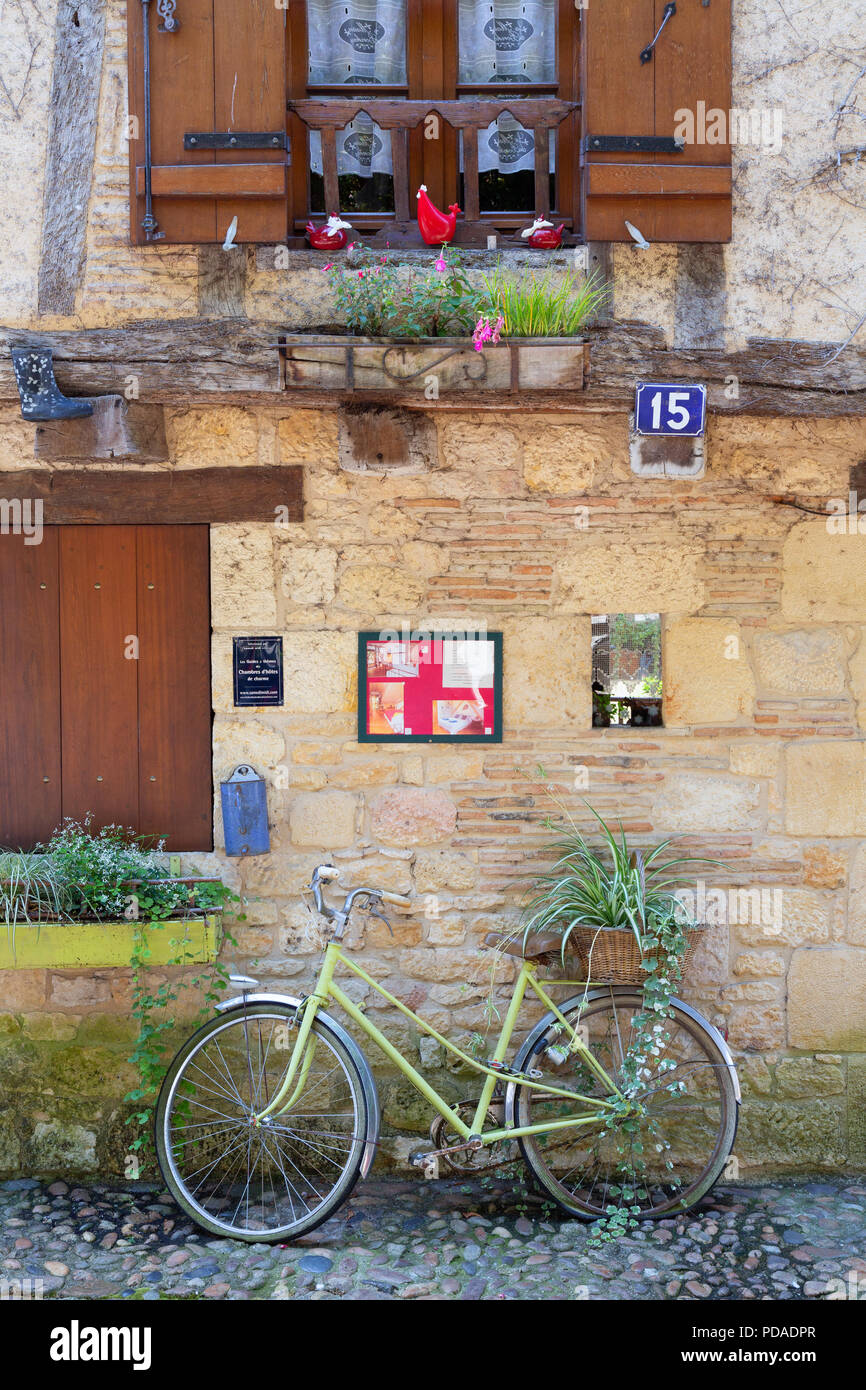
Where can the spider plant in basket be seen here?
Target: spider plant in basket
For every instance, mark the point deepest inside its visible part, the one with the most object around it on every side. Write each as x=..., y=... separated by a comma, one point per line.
x=31, y=890
x=615, y=908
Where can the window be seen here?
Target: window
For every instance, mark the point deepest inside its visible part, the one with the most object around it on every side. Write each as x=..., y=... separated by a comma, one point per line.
x=626, y=669
x=384, y=54
x=269, y=111
x=105, y=682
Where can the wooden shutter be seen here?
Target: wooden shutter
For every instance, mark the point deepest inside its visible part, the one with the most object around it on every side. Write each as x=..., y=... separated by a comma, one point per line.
x=29, y=690
x=221, y=73
x=669, y=196
x=105, y=707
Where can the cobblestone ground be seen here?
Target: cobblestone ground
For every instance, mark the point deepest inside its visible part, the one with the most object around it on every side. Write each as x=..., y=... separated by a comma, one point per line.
x=444, y=1240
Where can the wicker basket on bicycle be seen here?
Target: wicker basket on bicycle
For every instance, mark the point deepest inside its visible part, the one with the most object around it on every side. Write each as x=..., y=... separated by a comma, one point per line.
x=611, y=955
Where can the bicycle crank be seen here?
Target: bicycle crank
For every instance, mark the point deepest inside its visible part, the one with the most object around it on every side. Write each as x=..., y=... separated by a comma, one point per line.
x=469, y=1155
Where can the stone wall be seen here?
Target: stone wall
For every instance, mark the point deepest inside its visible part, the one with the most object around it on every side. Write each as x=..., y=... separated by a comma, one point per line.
x=530, y=526
x=799, y=209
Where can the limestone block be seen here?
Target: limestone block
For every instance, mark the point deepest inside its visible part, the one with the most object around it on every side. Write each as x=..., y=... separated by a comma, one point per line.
x=759, y=963
x=548, y=661
x=308, y=436
x=786, y=455
x=808, y=1135
x=822, y=868
x=563, y=458
x=756, y=1027
x=631, y=577
x=807, y=1076
x=412, y=816
x=857, y=899
x=370, y=774
x=857, y=1110
x=461, y=765
x=50, y=1027
x=826, y=990
x=226, y=435
x=857, y=669
x=222, y=676
x=708, y=963
x=412, y=770
x=378, y=589
x=824, y=577
x=756, y=1079
x=320, y=672
x=22, y=990
x=316, y=753
x=377, y=871
x=438, y=869
x=423, y=557
x=446, y=931
x=65, y=1148
x=246, y=741
x=826, y=789
x=391, y=524
x=707, y=677
x=782, y=916
x=242, y=576
x=806, y=662
x=755, y=759
x=325, y=818
x=464, y=444
x=691, y=801
x=308, y=573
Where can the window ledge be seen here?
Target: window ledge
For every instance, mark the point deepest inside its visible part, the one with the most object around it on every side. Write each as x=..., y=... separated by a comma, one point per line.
x=103, y=945
x=283, y=260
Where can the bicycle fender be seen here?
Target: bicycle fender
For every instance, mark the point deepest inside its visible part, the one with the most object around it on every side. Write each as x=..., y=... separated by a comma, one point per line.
x=371, y=1094
x=522, y=1058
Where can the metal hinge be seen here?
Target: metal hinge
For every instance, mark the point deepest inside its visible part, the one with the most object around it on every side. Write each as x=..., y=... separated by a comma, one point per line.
x=634, y=144
x=236, y=140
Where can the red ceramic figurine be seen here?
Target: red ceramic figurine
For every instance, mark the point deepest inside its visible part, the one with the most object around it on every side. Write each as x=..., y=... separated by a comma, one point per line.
x=330, y=237
x=436, y=228
x=542, y=235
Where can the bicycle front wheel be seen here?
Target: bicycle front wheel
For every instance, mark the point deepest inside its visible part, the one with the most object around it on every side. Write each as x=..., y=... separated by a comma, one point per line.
x=272, y=1181
x=668, y=1153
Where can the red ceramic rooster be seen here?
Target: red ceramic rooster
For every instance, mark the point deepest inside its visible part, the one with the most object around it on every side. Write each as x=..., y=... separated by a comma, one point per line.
x=542, y=235
x=436, y=228
x=330, y=237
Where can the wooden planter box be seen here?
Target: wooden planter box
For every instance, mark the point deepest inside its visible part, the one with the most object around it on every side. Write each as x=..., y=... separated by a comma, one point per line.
x=103, y=945
x=318, y=362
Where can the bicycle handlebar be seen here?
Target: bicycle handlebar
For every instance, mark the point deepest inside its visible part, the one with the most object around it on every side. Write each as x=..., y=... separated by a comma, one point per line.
x=329, y=873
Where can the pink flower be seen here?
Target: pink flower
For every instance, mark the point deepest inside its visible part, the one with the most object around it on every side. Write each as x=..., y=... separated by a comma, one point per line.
x=329, y=266
x=360, y=274
x=441, y=265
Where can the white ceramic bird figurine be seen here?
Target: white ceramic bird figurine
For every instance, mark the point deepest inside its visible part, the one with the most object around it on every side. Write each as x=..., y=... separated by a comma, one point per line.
x=229, y=243
x=636, y=235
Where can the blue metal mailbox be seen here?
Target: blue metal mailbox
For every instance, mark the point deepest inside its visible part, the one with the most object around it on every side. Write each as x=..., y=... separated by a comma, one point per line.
x=245, y=812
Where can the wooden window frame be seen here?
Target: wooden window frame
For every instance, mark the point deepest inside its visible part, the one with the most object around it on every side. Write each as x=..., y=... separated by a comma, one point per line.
x=432, y=71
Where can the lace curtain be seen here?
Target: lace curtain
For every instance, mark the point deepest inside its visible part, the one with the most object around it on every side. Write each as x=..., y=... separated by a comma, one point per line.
x=364, y=42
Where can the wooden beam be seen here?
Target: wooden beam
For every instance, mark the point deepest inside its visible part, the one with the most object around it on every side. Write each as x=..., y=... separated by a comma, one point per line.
x=237, y=361
x=79, y=496
x=117, y=429
x=73, y=106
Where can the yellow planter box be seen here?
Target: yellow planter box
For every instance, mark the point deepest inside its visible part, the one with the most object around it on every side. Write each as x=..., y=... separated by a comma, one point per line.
x=76, y=945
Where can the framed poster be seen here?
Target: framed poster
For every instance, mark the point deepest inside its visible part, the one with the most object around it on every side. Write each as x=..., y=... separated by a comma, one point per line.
x=442, y=687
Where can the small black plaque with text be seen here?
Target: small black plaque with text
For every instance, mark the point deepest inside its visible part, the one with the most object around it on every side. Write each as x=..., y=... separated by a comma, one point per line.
x=258, y=670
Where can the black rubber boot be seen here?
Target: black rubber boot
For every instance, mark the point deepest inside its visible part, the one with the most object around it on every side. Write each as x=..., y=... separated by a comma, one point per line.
x=41, y=397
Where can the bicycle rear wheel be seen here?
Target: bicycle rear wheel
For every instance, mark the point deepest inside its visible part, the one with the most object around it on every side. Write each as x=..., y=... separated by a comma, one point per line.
x=276, y=1180
x=672, y=1150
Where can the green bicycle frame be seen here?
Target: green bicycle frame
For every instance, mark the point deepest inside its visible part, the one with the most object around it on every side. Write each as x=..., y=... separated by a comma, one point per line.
x=294, y=1080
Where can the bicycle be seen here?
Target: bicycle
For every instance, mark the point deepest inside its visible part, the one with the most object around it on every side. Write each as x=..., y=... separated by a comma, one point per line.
x=269, y=1114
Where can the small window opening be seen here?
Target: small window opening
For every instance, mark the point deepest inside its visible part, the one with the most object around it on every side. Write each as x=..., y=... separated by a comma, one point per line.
x=626, y=670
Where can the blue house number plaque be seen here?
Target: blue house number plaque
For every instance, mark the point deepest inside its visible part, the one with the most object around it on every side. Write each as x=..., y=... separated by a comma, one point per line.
x=662, y=407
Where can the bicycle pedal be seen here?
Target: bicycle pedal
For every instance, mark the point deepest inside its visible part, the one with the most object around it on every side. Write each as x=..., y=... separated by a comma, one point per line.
x=426, y=1161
